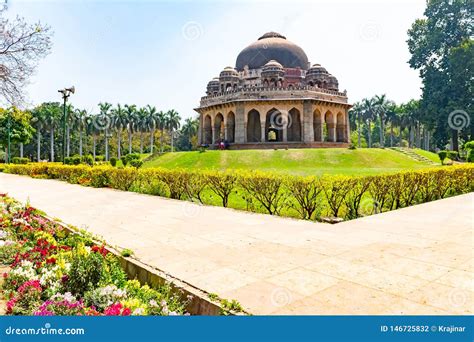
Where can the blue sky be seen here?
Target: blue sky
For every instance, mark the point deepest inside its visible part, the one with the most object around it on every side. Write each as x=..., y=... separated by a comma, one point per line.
x=163, y=53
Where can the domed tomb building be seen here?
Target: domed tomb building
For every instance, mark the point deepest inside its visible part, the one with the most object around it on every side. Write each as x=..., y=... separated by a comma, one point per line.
x=274, y=98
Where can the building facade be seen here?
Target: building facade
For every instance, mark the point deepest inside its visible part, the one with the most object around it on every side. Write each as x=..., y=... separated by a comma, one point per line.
x=274, y=98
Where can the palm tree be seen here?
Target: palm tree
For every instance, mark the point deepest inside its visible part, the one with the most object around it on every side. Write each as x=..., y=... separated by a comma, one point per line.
x=369, y=114
x=172, y=123
x=119, y=122
x=52, y=112
x=91, y=129
x=80, y=116
x=142, y=125
x=161, y=121
x=393, y=119
x=381, y=104
x=106, y=122
x=357, y=108
x=131, y=114
x=38, y=121
x=151, y=118
x=69, y=122
x=190, y=129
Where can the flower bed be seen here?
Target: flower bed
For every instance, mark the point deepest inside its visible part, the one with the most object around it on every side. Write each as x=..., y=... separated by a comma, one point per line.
x=312, y=198
x=54, y=272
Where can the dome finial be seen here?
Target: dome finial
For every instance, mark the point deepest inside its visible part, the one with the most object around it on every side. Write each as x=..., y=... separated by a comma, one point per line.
x=272, y=34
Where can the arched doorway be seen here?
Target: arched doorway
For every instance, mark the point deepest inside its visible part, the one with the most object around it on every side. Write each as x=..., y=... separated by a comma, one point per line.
x=340, y=136
x=230, y=127
x=329, y=127
x=207, y=130
x=274, y=125
x=294, y=125
x=317, y=126
x=219, y=128
x=254, y=131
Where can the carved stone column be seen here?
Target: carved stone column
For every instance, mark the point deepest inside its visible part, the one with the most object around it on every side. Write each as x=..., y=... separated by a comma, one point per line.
x=240, y=124
x=308, y=131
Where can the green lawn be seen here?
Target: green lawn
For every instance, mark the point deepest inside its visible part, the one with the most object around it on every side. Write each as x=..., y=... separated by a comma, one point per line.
x=427, y=154
x=298, y=162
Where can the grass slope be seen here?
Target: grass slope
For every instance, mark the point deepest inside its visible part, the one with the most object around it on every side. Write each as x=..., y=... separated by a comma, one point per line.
x=298, y=162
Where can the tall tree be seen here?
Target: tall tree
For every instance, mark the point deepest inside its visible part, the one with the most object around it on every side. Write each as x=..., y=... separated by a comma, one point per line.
x=52, y=115
x=18, y=122
x=447, y=25
x=22, y=45
x=161, y=121
x=131, y=114
x=105, y=124
x=381, y=105
x=369, y=115
x=172, y=123
x=119, y=122
x=80, y=116
x=151, y=118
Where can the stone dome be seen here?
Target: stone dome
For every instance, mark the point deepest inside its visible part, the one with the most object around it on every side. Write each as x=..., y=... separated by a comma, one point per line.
x=273, y=64
x=229, y=71
x=272, y=46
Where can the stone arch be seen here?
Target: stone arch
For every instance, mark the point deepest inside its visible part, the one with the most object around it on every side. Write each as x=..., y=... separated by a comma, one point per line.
x=294, y=125
x=330, y=127
x=231, y=127
x=340, y=127
x=317, y=126
x=273, y=125
x=219, y=127
x=254, y=131
x=207, y=131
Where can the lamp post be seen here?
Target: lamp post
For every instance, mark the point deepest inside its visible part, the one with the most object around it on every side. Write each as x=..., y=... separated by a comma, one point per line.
x=66, y=92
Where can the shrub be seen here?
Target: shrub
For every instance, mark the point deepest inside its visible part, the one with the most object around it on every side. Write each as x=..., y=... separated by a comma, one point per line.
x=124, y=160
x=335, y=190
x=442, y=156
x=136, y=163
x=222, y=184
x=266, y=189
x=121, y=179
x=87, y=159
x=470, y=156
x=99, y=158
x=113, y=161
x=86, y=271
x=306, y=192
x=18, y=160
x=76, y=159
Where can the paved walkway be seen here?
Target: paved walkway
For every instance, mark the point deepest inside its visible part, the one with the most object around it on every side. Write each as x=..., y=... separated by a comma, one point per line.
x=417, y=260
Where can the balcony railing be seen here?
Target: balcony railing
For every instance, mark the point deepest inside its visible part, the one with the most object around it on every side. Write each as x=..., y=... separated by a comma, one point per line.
x=262, y=93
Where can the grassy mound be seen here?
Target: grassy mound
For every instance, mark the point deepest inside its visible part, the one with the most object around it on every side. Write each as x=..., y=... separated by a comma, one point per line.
x=297, y=162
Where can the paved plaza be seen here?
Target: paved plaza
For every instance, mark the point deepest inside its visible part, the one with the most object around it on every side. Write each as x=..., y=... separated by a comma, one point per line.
x=416, y=260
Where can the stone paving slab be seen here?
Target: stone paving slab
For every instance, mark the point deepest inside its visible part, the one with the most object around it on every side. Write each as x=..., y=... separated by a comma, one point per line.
x=416, y=260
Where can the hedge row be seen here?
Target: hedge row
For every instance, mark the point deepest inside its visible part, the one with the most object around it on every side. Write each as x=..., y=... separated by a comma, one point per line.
x=309, y=197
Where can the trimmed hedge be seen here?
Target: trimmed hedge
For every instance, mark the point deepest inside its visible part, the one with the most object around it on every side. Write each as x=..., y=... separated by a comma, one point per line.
x=309, y=198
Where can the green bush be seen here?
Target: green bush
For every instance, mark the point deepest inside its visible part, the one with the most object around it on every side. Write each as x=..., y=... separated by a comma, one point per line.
x=470, y=156
x=442, y=156
x=124, y=160
x=345, y=197
x=113, y=161
x=88, y=159
x=99, y=158
x=136, y=163
x=18, y=160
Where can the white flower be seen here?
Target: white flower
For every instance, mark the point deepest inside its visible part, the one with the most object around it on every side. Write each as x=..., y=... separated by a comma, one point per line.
x=138, y=312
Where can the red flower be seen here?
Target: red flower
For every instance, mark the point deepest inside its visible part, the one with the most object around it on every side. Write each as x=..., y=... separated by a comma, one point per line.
x=51, y=260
